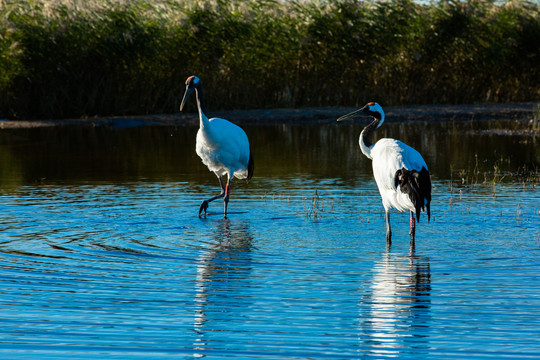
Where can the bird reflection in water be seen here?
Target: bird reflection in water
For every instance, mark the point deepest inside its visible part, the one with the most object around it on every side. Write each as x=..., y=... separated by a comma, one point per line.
x=221, y=284
x=395, y=312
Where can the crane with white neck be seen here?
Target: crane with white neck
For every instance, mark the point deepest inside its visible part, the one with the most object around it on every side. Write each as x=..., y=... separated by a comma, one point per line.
x=222, y=146
x=400, y=172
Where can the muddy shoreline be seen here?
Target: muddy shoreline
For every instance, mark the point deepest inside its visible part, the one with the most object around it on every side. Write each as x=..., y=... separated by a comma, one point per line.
x=523, y=112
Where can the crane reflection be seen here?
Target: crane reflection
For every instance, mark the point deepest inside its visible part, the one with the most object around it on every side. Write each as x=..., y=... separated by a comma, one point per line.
x=223, y=269
x=395, y=311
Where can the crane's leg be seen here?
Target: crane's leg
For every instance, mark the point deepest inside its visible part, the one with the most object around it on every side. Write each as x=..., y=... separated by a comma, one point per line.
x=388, y=229
x=226, y=197
x=205, y=203
x=413, y=228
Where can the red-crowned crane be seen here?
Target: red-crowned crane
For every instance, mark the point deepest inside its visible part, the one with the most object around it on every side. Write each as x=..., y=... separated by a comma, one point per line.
x=222, y=146
x=400, y=171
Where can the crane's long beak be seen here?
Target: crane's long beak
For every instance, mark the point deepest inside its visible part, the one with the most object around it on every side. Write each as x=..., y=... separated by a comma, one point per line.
x=185, y=98
x=353, y=114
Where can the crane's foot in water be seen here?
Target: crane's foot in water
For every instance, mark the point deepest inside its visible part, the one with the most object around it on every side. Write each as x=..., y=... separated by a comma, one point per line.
x=412, y=223
x=203, y=207
x=226, y=202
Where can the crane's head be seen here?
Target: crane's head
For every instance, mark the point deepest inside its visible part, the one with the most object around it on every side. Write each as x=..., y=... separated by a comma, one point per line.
x=370, y=109
x=192, y=83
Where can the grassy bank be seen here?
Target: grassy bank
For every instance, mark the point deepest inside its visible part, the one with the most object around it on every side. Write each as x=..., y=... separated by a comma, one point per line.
x=67, y=58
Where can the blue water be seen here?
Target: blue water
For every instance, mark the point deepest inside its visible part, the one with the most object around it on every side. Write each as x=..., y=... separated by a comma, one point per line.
x=100, y=265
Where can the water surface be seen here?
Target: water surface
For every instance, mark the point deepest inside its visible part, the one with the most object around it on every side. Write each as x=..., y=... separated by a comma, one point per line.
x=102, y=254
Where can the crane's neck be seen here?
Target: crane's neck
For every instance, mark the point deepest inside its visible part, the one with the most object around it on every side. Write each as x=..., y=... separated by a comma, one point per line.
x=204, y=122
x=365, y=136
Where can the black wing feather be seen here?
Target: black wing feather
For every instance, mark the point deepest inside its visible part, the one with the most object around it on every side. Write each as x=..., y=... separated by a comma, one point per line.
x=251, y=165
x=416, y=184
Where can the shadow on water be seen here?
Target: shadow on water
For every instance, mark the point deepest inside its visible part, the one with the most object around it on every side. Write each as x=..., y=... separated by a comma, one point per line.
x=395, y=312
x=223, y=270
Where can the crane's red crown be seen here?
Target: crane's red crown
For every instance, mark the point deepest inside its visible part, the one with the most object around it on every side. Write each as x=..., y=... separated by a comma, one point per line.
x=192, y=79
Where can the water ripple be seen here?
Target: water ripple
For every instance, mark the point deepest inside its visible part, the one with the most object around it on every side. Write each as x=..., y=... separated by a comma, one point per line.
x=130, y=271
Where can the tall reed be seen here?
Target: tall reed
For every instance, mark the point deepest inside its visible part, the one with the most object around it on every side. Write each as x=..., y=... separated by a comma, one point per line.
x=69, y=58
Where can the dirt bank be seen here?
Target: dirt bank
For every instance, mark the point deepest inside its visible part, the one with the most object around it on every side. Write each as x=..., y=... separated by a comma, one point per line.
x=431, y=113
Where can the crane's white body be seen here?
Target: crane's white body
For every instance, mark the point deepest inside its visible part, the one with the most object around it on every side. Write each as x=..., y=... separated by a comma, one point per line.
x=223, y=147
x=389, y=156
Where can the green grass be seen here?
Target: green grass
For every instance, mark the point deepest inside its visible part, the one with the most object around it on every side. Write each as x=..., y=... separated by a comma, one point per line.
x=491, y=177
x=74, y=59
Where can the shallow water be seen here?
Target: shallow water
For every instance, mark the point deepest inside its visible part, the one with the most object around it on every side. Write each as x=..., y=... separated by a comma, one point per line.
x=102, y=254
